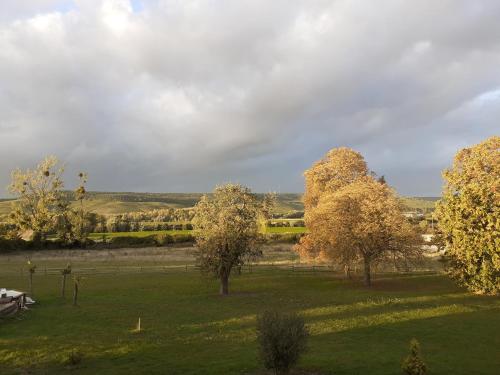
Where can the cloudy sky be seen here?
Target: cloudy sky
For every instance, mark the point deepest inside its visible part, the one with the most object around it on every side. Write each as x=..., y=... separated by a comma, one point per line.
x=178, y=95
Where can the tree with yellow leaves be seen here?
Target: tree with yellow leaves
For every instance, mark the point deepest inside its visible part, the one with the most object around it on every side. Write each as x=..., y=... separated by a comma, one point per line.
x=39, y=197
x=353, y=217
x=338, y=168
x=469, y=216
x=227, y=230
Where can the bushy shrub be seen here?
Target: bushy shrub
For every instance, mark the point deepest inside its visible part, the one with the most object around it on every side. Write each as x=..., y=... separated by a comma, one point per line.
x=163, y=239
x=182, y=238
x=413, y=364
x=282, y=339
x=294, y=215
x=73, y=358
x=283, y=237
x=130, y=241
x=12, y=244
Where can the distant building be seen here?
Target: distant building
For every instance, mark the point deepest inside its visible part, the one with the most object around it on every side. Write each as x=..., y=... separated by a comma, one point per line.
x=413, y=214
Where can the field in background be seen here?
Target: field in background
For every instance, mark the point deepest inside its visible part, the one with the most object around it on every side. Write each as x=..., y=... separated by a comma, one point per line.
x=189, y=329
x=99, y=236
x=118, y=203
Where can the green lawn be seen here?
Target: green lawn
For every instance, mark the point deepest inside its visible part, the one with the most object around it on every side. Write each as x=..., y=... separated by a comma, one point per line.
x=98, y=236
x=282, y=230
x=189, y=329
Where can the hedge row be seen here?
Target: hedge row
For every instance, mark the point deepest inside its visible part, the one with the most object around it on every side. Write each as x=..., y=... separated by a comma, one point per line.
x=160, y=239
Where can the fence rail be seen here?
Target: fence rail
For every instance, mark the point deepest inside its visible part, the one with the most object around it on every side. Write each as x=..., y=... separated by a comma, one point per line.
x=248, y=268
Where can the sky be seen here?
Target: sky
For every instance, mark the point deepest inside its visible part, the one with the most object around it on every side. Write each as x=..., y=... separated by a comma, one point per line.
x=181, y=95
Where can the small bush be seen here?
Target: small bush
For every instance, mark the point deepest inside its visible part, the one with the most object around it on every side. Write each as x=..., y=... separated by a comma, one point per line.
x=130, y=241
x=163, y=239
x=283, y=237
x=182, y=238
x=73, y=358
x=282, y=338
x=413, y=364
x=8, y=244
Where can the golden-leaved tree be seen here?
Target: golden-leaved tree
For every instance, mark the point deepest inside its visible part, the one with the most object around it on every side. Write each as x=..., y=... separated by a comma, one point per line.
x=227, y=230
x=39, y=197
x=469, y=216
x=353, y=217
x=338, y=168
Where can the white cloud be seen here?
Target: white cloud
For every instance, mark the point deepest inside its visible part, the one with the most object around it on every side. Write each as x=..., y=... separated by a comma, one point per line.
x=190, y=93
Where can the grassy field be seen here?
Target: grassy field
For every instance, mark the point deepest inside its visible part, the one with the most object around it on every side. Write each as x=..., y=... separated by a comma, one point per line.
x=422, y=203
x=99, y=236
x=189, y=329
x=282, y=230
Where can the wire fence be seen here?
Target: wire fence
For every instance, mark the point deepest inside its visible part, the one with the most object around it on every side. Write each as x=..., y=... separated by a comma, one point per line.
x=248, y=268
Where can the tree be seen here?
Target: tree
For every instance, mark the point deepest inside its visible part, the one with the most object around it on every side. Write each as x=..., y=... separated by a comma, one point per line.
x=468, y=215
x=353, y=217
x=81, y=218
x=413, y=364
x=227, y=230
x=39, y=197
x=423, y=226
x=73, y=225
x=338, y=168
x=282, y=339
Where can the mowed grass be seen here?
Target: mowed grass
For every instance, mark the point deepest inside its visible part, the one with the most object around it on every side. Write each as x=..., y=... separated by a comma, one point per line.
x=99, y=236
x=284, y=230
x=190, y=329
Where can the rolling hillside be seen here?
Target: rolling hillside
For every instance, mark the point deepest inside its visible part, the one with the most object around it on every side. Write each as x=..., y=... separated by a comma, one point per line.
x=115, y=203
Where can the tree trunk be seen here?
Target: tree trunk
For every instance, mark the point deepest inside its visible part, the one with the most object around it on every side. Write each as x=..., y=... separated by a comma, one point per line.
x=367, y=271
x=63, y=286
x=224, y=284
x=347, y=271
x=75, y=294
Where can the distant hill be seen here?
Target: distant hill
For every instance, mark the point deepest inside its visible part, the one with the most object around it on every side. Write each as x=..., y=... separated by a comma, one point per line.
x=107, y=203
x=425, y=204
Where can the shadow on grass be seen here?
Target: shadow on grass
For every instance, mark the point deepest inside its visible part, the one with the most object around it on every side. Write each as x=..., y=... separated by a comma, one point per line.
x=197, y=333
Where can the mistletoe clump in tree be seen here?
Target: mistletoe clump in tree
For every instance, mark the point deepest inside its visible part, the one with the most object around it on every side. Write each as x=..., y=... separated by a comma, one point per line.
x=73, y=225
x=468, y=215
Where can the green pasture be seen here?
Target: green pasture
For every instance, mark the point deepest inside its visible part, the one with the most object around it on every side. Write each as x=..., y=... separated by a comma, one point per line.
x=283, y=230
x=189, y=329
x=99, y=236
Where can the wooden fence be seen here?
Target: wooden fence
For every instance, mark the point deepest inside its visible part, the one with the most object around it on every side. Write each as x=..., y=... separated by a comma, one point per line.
x=249, y=268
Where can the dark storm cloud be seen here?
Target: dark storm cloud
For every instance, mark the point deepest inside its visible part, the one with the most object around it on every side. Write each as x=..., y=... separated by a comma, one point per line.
x=181, y=95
